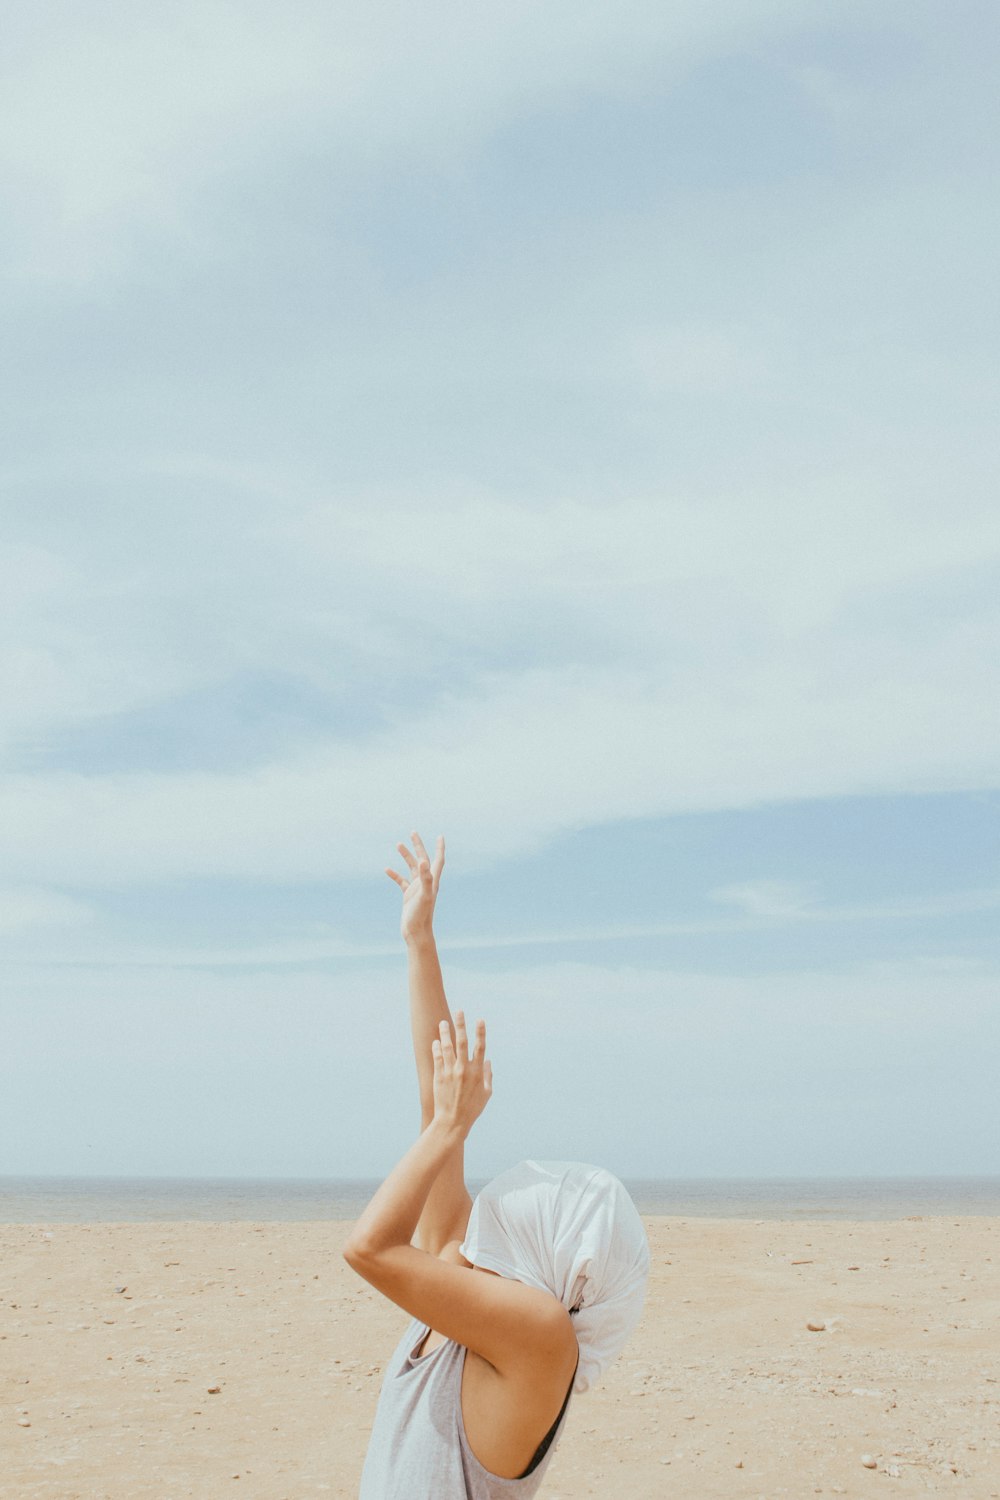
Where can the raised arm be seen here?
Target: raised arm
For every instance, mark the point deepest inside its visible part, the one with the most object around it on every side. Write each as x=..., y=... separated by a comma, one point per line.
x=445, y=1213
x=518, y=1329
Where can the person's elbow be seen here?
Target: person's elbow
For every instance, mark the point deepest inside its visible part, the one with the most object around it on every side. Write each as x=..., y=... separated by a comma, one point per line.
x=359, y=1253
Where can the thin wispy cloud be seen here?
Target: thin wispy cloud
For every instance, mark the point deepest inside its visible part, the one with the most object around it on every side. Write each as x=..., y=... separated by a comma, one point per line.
x=765, y=907
x=23, y=909
x=106, y=120
x=681, y=658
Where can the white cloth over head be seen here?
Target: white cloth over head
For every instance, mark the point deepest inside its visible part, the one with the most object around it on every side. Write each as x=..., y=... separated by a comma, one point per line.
x=571, y=1230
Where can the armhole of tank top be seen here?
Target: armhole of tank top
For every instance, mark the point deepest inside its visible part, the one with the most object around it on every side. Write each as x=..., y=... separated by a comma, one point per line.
x=549, y=1437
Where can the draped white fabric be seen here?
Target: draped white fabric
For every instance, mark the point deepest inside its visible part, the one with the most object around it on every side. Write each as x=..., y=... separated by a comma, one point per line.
x=571, y=1230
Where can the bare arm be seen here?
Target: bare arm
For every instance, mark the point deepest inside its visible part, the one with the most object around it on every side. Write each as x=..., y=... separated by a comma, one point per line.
x=445, y=1213
x=514, y=1327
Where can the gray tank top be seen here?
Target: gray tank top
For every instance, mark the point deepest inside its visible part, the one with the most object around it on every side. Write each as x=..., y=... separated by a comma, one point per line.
x=418, y=1448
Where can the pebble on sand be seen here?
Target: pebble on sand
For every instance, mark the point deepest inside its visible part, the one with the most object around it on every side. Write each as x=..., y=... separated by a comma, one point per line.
x=816, y=1327
x=868, y=1462
x=213, y=1390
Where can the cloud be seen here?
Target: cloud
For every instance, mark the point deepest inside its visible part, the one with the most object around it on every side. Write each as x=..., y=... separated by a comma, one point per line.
x=103, y=128
x=699, y=360
x=111, y=128
x=505, y=771
x=768, y=898
x=138, y=599
x=558, y=641
x=514, y=420
x=574, y=665
x=22, y=908
x=763, y=907
x=74, y=645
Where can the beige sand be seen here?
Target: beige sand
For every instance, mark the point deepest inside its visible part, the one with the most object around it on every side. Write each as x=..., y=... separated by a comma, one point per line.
x=724, y=1391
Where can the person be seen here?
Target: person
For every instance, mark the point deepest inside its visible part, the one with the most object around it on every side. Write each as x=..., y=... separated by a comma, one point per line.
x=517, y=1300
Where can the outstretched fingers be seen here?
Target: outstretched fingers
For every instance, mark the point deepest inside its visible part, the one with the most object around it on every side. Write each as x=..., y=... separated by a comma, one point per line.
x=462, y=1084
x=418, y=866
x=458, y=1053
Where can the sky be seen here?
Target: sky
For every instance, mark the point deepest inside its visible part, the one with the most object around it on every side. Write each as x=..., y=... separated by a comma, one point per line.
x=568, y=428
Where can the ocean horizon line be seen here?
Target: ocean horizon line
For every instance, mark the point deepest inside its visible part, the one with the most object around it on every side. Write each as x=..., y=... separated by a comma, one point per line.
x=114, y=1198
x=376, y=1177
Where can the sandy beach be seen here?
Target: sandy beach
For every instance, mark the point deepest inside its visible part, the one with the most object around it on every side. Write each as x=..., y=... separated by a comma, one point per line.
x=179, y=1359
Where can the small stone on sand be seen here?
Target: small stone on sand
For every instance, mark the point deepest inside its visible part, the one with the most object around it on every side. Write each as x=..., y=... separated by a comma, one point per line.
x=816, y=1327
x=868, y=1462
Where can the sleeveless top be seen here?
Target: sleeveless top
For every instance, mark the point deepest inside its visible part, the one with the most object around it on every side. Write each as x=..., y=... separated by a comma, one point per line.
x=418, y=1448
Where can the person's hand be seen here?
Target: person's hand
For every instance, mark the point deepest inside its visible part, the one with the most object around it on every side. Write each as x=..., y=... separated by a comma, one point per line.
x=420, y=890
x=462, y=1084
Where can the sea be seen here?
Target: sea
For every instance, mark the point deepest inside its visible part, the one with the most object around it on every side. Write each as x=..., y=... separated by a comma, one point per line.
x=136, y=1200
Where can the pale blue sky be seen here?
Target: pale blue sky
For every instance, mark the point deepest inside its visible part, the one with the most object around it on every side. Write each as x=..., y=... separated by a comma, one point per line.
x=572, y=428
